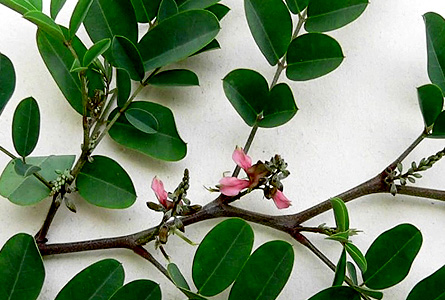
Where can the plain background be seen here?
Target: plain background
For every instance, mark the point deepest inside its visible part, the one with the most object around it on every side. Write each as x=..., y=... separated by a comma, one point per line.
x=351, y=124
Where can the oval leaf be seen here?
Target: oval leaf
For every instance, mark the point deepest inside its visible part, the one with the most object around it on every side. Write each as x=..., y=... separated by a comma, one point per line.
x=177, y=277
x=56, y=6
x=167, y=9
x=142, y=120
x=7, y=81
x=138, y=290
x=435, y=38
x=221, y=256
x=78, y=16
x=96, y=282
x=280, y=107
x=430, y=288
x=45, y=23
x=105, y=183
x=219, y=10
x=357, y=256
x=271, y=26
x=29, y=190
x=123, y=84
x=106, y=19
x=431, y=102
x=177, y=37
x=265, y=273
x=59, y=60
x=337, y=293
x=391, y=255
x=297, y=6
x=95, y=51
x=127, y=56
x=340, y=214
x=26, y=126
x=23, y=169
x=312, y=55
x=326, y=15
x=177, y=77
x=166, y=144
x=248, y=92
x=23, y=6
x=21, y=269
x=145, y=10
x=340, y=270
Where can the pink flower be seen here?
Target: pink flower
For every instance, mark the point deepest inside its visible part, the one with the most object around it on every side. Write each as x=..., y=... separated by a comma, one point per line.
x=280, y=200
x=158, y=187
x=231, y=186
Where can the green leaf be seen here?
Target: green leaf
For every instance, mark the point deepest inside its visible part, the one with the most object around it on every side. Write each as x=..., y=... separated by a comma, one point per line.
x=342, y=237
x=431, y=102
x=7, y=81
x=221, y=256
x=23, y=6
x=219, y=10
x=265, y=273
x=196, y=4
x=439, y=126
x=96, y=282
x=435, y=39
x=391, y=255
x=26, y=126
x=166, y=144
x=178, y=77
x=340, y=214
x=248, y=92
x=56, y=6
x=280, y=107
x=138, y=290
x=21, y=269
x=271, y=26
x=79, y=15
x=177, y=37
x=430, y=288
x=123, y=83
x=357, y=256
x=177, y=277
x=337, y=293
x=142, y=120
x=340, y=270
x=297, y=6
x=29, y=190
x=326, y=15
x=59, y=60
x=23, y=169
x=77, y=67
x=105, y=183
x=106, y=19
x=213, y=45
x=127, y=56
x=95, y=51
x=370, y=293
x=167, y=9
x=45, y=23
x=146, y=10
x=352, y=272
x=312, y=55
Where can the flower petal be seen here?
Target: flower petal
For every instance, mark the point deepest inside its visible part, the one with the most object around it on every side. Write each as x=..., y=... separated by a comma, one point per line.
x=158, y=187
x=241, y=158
x=280, y=200
x=231, y=186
